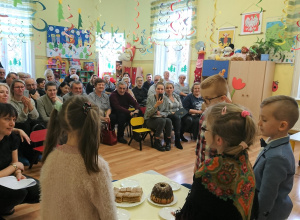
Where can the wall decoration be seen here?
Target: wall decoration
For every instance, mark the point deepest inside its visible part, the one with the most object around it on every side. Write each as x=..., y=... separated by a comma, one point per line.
x=60, y=14
x=226, y=36
x=61, y=41
x=251, y=23
x=275, y=30
x=237, y=84
x=275, y=86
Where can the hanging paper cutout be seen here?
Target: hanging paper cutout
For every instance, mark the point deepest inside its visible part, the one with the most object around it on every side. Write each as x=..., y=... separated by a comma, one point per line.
x=16, y=2
x=45, y=23
x=60, y=11
x=79, y=19
x=237, y=84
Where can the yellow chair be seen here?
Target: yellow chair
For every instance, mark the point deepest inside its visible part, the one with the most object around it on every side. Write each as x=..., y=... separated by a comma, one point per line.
x=139, y=121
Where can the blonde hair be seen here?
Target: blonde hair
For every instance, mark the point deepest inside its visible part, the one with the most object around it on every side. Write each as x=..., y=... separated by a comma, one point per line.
x=6, y=86
x=13, y=85
x=285, y=108
x=87, y=124
x=169, y=83
x=226, y=121
x=219, y=83
x=48, y=72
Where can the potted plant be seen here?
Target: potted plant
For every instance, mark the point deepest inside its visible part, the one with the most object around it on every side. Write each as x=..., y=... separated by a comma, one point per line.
x=267, y=47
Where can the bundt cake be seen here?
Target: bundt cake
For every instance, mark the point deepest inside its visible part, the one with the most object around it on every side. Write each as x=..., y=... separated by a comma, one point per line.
x=162, y=193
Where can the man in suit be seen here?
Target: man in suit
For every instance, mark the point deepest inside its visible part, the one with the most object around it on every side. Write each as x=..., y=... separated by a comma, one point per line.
x=46, y=103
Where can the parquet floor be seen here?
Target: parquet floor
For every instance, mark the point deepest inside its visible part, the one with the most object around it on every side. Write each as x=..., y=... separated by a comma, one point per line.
x=176, y=164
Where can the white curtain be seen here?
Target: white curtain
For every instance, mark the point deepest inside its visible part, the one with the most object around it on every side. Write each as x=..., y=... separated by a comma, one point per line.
x=295, y=92
x=160, y=60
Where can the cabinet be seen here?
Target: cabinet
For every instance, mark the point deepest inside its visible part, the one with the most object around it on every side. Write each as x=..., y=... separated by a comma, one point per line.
x=258, y=76
x=213, y=67
x=85, y=76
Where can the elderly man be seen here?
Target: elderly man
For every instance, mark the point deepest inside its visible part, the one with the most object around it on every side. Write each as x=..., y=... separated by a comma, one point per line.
x=72, y=71
x=2, y=74
x=10, y=78
x=23, y=76
x=151, y=91
x=140, y=92
x=46, y=103
x=31, y=86
x=75, y=89
x=166, y=77
x=148, y=82
x=120, y=101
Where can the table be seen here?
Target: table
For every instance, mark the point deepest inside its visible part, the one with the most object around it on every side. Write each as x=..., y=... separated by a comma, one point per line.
x=293, y=139
x=147, y=210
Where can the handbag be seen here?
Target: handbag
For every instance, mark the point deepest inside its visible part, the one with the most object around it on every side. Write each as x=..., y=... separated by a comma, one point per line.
x=181, y=112
x=108, y=136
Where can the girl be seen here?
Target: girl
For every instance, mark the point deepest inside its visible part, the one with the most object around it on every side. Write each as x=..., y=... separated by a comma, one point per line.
x=75, y=181
x=9, y=164
x=224, y=186
x=157, y=110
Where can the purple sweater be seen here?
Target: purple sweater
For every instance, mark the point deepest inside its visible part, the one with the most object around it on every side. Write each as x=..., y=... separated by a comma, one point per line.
x=121, y=103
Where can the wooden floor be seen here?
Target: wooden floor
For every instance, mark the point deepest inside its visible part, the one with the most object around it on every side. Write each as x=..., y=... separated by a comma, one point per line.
x=176, y=164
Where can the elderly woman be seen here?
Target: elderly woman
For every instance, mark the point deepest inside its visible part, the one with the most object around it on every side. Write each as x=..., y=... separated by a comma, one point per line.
x=128, y=76
x=127, y=81
x=157, y=110
x=174, y=105
x=109, y=86
x=90, y=85
x=50, y=77
x=182, y=88
x=193, y=104
x=102, y=100
x=74, y=77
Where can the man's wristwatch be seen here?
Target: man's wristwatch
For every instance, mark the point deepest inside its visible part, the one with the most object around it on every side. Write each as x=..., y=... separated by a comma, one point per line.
x=15, y=166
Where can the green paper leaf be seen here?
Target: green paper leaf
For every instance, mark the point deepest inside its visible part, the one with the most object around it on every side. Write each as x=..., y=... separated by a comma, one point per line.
x=63, y=51
x=16, y=2
x=60, y=46
x=79, y=21
x=86, y=56
x=60, y=12
x=15, y=61
x=85, y=50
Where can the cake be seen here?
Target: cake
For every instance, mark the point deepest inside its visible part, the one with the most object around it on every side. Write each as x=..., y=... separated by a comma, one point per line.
x=128, y=194
x=162, y=193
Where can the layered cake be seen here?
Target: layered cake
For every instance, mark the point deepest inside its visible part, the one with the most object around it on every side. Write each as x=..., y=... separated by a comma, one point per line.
x=128, y=194
x=162, y=193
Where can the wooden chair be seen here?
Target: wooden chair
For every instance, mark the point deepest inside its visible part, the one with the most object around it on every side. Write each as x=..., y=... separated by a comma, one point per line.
x=139, y=121
x=37, y=137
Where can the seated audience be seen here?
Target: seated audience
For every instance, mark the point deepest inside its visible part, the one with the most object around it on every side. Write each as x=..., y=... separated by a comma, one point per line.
x=74, y=77
x=174, y=105
x=74, y=170
x=63, y=89
x=2, y=74
x=182, y=88
x=102, y=100
x=157, y=110
x=193, y=104
x=46, y=103
x=167, y=77
x=109, y=86
x=140, y=92
x=4, y=93
x=151, y=91
x=148, y=82
x=23, y=76
x=41, y=86
x=51, y=77
x=75, y=89
x=72, y=71
x=90, y=84
x=10, y=165
x=225, y=182
x=31, y=86
x=120, y=101
x=127, y=81
x=10, y=78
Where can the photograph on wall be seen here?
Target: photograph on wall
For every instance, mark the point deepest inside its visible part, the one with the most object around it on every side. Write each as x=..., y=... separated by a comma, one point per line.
x=275, y=30
x=226, y=36
x=66, y=43
x=251, y=23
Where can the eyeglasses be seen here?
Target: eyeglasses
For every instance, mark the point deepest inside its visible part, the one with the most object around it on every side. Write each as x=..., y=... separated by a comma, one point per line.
x=208, y=100
x=19, y=87
x=204, y=129
x=156, y=80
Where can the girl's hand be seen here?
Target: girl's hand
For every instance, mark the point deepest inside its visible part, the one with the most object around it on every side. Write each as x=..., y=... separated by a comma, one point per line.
x=20, y=176
x=159, y=102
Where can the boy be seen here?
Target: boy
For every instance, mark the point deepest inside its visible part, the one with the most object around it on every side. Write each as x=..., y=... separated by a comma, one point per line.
x=214, y=90
x=274, y=168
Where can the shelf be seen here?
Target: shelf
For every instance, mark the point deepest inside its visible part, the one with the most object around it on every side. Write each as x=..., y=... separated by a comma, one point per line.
x=85, y=71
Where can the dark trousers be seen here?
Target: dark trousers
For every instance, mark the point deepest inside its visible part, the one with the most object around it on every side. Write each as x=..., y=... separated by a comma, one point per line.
x=121, y=119
x=191, y=124
x=159, y=124
x=176, y=122
x=9, y=198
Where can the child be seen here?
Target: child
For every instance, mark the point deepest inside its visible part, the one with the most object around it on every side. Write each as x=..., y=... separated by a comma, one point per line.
x=75, y=181
x=275, y=165
x=10, y=166
x=214, y=90
x=224, y=186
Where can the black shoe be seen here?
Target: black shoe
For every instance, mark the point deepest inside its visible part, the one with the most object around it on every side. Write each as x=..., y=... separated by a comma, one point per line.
x=157, y=145
x=183, y=138
x=168, y=144
x=122, y=140
x=178, y=144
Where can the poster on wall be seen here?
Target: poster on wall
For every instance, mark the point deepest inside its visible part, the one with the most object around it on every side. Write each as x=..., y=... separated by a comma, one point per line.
x=67, y=43
x=251, y=23
x=226, y=36
x=275, y=30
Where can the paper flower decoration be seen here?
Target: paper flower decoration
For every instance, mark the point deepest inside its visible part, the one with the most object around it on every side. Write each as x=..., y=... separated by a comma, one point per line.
x=237, y=84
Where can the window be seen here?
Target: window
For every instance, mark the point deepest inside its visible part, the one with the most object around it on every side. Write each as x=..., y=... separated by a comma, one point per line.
x=107, y=45
x=17, y=49
x=296, y=76
x=173, y=32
